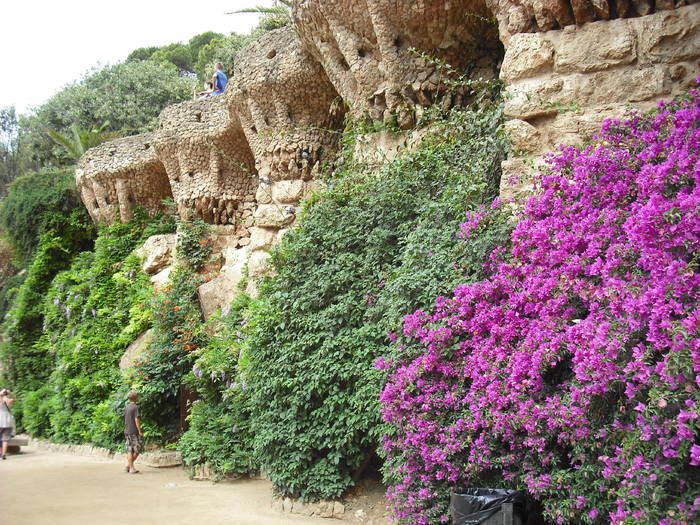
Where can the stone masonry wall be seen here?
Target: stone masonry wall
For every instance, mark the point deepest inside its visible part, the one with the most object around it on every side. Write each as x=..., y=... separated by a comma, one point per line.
x=118, y=175
x=209, y=163
x=245, y=160
x=289, y=114
x=370, y=50
x=533, y=16
x=561, y=85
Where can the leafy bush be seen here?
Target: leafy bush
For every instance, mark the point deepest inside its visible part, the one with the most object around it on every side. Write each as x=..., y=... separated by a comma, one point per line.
x=192, y=246
x=359, y=260
x=572, y=370
x=220, y=434
x=178, y=330
x=127, y=96
x=40, y=203
x=91, y=313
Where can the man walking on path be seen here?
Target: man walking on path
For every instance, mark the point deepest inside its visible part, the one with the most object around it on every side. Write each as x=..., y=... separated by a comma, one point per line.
x=132, y=431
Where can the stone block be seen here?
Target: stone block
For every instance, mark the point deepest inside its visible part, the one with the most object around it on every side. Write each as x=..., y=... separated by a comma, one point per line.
x=527, y=55
x=523, y=136
x=669, y=36
x=531, y=98
x=162, y=459
x=338, y=510
x=135, y=350
x=262, y=238
x=257, y=264
x=157, y=252
x=160, y=279
x=594, y=47
x=220, y=291
x=263, y=195
x=288, y=191
x=516, y=180
x=273, y=216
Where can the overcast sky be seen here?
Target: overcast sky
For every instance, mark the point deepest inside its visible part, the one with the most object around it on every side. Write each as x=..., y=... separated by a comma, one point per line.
x=46, y=44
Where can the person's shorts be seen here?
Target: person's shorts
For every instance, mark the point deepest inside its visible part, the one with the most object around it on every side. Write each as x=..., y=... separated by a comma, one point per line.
x=5, y=433
x=134, y=444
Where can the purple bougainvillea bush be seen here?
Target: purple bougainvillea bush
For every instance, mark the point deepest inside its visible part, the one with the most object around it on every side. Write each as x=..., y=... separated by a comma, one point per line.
x=572, y=371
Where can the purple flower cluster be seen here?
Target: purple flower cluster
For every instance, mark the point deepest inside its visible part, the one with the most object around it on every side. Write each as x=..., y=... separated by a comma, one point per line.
x=573, y=370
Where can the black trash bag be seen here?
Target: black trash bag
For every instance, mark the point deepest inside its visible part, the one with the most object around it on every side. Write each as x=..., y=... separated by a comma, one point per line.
x=475, y=506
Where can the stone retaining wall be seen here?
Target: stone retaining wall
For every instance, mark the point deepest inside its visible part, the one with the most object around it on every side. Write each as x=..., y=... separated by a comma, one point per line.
x=156, y=459
x=563, y=84
x=246, y=159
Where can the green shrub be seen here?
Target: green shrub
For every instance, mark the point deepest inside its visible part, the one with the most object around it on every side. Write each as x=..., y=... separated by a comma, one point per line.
x=178, y=330
x=87, y=316
x=219, y=433
x=40, y=203
x=375, y=246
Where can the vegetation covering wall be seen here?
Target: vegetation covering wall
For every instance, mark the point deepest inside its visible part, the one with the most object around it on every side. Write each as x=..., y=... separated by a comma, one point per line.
x=552, y=349
x=571, y=371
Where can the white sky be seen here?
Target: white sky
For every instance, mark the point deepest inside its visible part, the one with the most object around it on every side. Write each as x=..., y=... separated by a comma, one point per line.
x=46, y=44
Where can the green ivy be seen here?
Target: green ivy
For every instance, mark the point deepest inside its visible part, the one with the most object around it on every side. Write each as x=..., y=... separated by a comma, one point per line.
x=86, y=318
x=193, y=248
x=372, y=248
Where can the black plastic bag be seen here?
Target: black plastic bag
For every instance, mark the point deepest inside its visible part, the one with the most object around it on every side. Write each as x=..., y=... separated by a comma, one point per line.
x=476, y=506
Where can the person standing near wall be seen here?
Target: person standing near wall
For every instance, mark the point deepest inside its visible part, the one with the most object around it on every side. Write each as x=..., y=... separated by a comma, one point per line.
x=7, y=420
x=132, y=431
x=219, y=79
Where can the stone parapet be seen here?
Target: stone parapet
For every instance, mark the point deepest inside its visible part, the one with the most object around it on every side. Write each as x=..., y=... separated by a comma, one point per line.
x=208, y=161
x=373, y=50
x=533, y=16
x=287, y=106
x=115, y=177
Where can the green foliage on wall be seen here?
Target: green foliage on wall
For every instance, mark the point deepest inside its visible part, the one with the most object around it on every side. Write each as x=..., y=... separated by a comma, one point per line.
x=177, y=331
x=83, y=320
x=372, y=248
x=220, y=434
x=40, y=203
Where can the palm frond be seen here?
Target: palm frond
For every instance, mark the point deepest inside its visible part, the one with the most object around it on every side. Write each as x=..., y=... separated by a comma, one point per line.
x=65, y=142
x=275, y=10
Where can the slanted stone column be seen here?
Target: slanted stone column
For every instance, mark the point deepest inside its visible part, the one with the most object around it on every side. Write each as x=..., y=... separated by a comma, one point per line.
x=115, y=177
x=208, y=162
x=371, y=50
x=292, y=117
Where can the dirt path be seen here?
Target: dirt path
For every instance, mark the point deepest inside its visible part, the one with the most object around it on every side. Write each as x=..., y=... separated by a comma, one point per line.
x=47, y=488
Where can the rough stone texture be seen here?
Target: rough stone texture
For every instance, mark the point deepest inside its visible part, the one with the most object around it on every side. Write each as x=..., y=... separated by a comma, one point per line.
x=157, y=253
x=116, y=176
x=244, y=161
x=135, y=350
x=321, y=509
x=160, y=279
x=287, y=109
x=286, y=105
x=220, y=291
x=161, y=459
x=563, y=84
x=368, y=49
x=208, y=161
x=533, y=16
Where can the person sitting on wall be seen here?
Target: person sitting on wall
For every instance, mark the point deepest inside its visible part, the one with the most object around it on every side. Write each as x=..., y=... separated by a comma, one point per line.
x=219, y=80
x=208, y=90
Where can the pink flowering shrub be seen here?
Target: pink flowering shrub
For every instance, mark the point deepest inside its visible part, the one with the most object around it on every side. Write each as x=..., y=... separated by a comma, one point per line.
x=572, y=371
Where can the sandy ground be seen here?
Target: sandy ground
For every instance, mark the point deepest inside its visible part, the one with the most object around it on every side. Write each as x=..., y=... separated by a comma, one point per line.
x=47, y=488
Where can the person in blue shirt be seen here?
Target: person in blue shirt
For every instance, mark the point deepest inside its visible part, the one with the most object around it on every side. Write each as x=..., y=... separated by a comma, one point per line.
x=219, y=79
